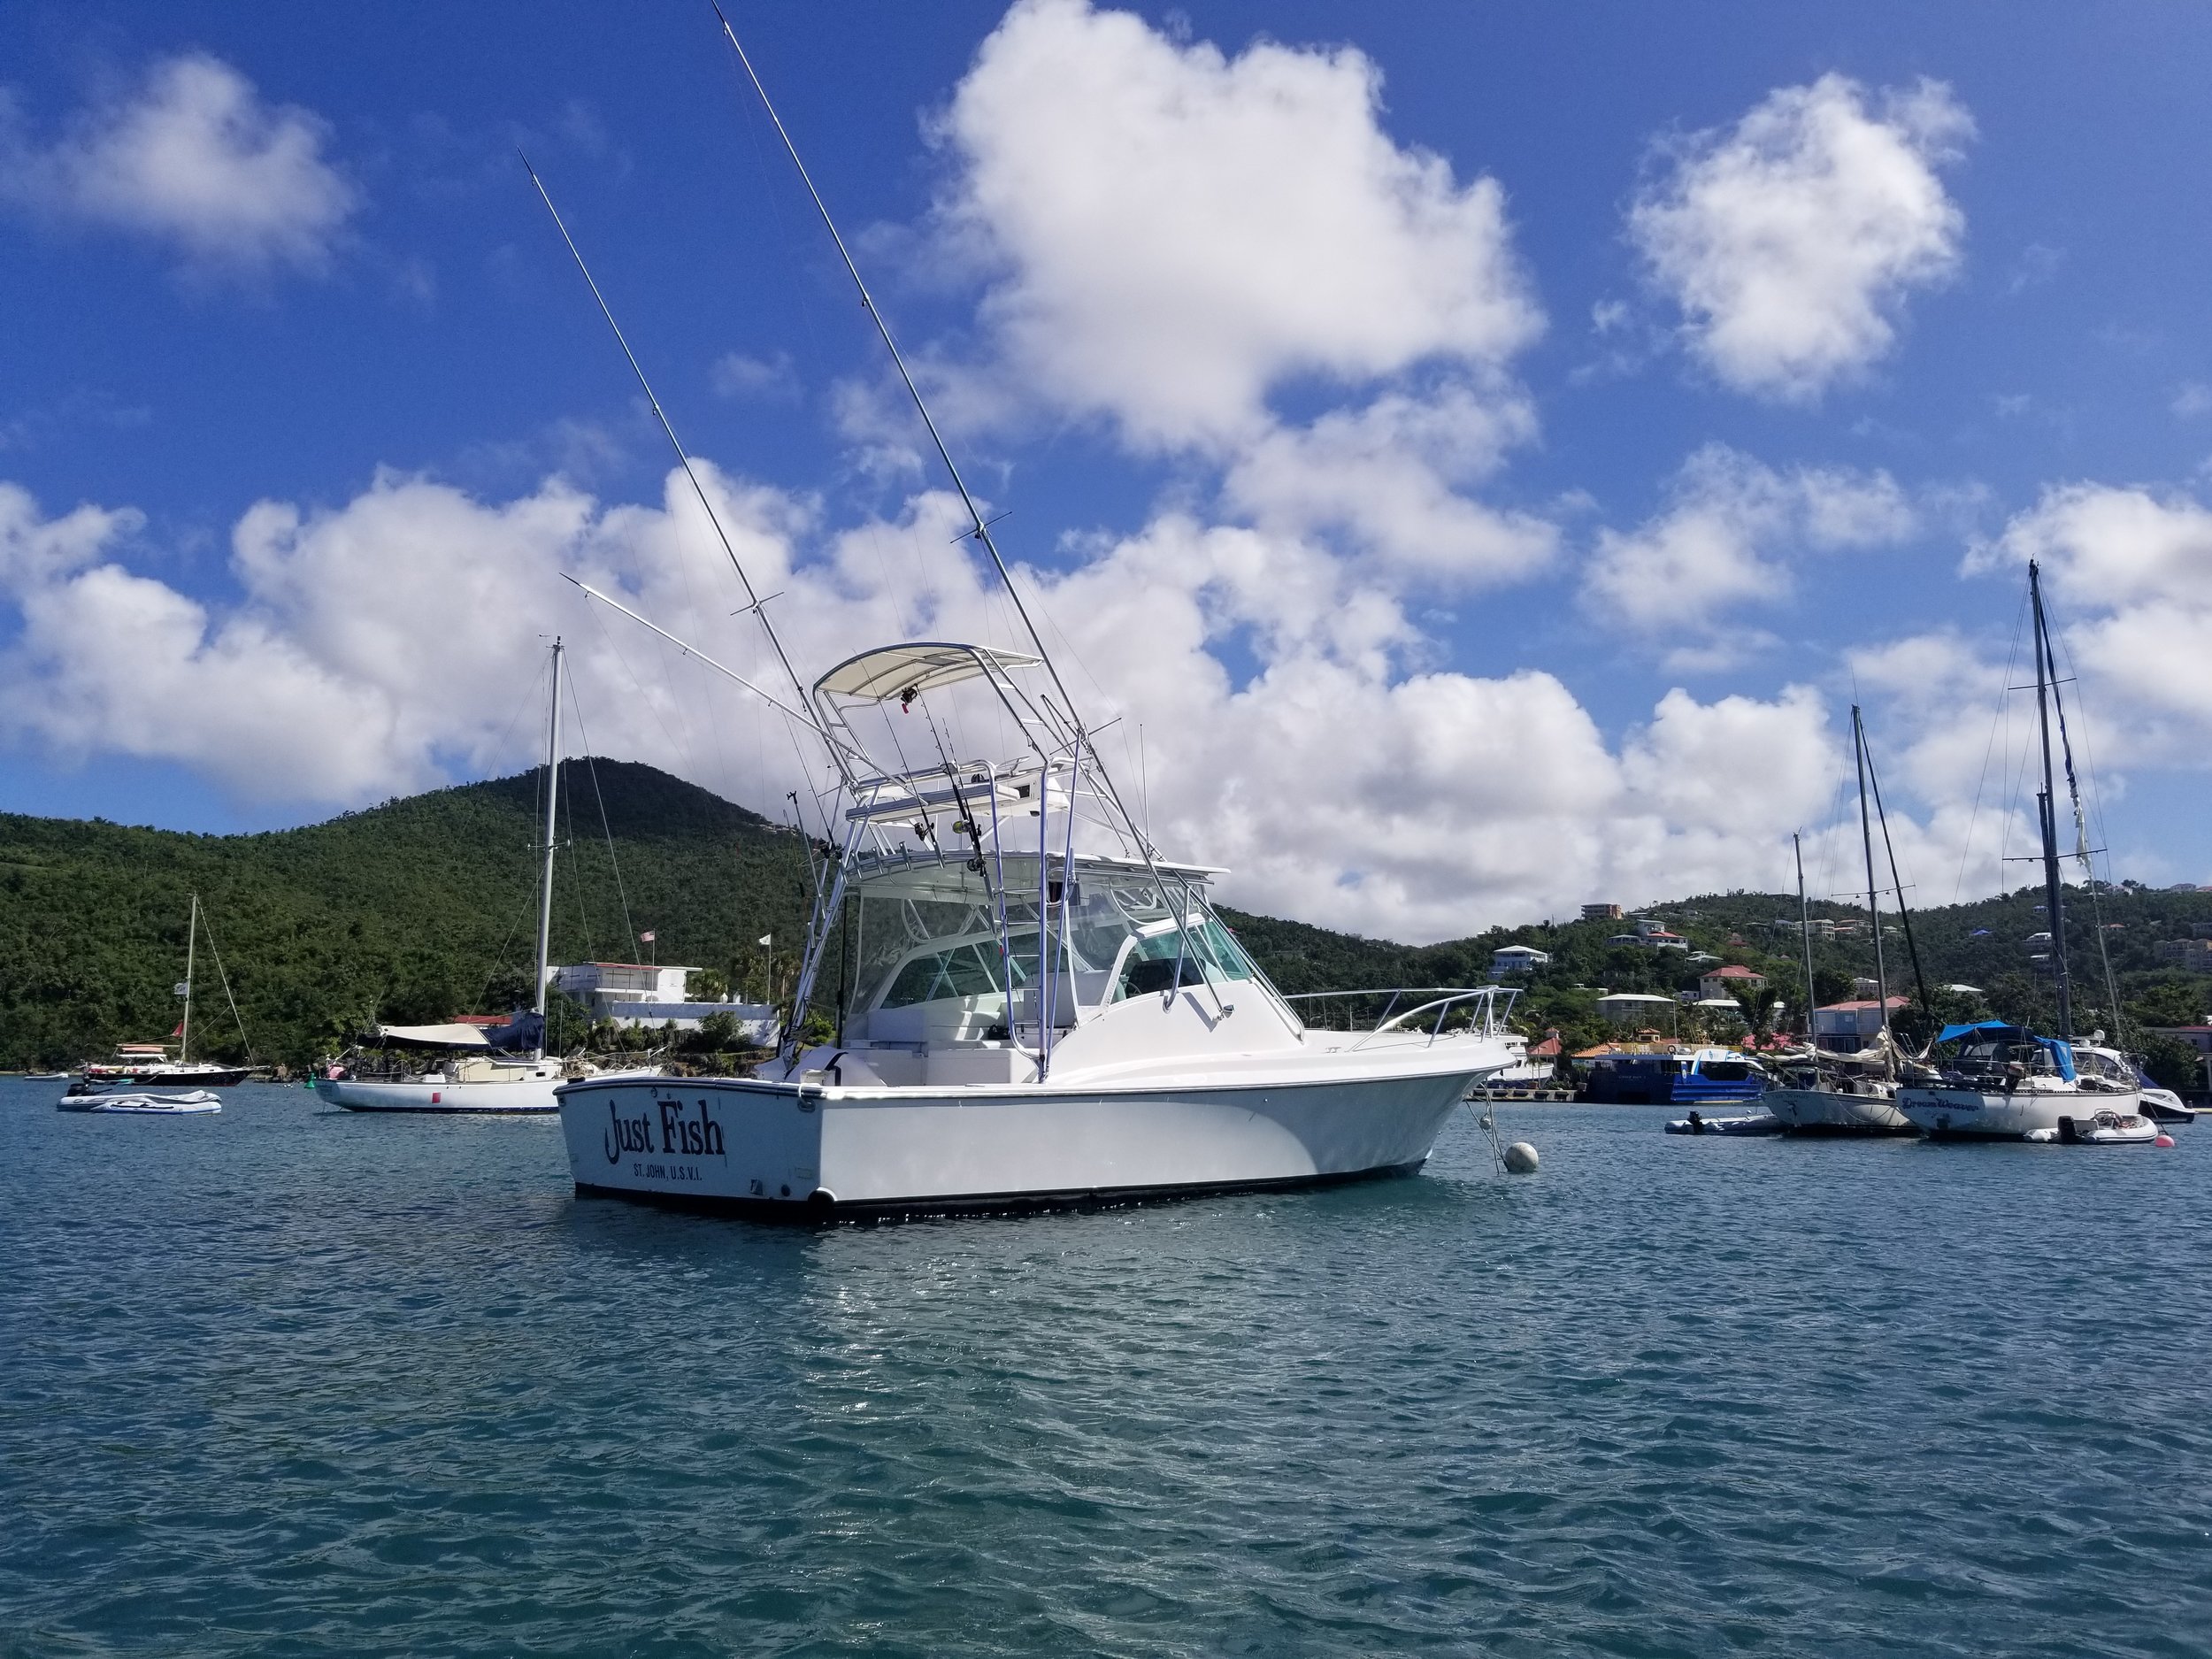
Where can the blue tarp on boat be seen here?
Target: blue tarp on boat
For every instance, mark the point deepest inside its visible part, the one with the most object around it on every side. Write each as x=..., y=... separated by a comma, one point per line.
x=2061, y=1053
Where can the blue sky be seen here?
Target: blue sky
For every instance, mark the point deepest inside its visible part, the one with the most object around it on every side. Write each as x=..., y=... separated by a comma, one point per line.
x=1484, y=447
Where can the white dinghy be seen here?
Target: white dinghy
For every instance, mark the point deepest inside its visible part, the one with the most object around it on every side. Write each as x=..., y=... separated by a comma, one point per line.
x=2108, y=1129
x=1031, y=1003
x=191, y=1103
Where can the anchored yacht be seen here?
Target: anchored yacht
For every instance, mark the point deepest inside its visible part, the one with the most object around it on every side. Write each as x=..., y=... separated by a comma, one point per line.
x=470, y=1075
x=1029, y=1002
x=1032, y=1005
x=2002, y=1081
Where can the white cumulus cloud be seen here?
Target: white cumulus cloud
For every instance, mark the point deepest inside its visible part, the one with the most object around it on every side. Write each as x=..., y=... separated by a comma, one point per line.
x=391, y=642
x=1724, y=538
x=2130, y=574
x=1792, y=240
x=1171, y=232
x=1384, y=475
x=195, y=158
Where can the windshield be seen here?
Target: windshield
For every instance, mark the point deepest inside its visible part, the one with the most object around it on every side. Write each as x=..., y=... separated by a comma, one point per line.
x=928, y=935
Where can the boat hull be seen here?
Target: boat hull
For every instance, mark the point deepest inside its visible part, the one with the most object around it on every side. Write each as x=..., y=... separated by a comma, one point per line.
x=522, y=1097
x=1969, y=1114
x=98, y=1076
x=1825, y=1111
x=782, y=1149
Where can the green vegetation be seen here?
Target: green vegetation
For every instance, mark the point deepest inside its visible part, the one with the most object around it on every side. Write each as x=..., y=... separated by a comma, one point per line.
x=1741, y=928
x=425, y=907
x=408, y=912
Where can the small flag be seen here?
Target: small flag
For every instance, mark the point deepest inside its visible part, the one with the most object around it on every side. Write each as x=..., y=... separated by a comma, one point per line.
x=765, y=939
x=645, y=939
x=179, y=1031
x=182, y=987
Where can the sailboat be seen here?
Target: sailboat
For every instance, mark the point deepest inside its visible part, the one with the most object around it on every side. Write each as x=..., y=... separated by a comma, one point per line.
x=1033, y=1004
x=2001, y=1080
x=472, y=1076
x=142, y=1064
x=1846, y=1094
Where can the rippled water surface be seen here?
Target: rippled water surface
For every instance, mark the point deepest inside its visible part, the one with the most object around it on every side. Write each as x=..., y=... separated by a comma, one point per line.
x=287, y=1381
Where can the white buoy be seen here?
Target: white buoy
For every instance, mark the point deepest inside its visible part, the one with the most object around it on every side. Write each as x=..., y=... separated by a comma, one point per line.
x=1520, y=1157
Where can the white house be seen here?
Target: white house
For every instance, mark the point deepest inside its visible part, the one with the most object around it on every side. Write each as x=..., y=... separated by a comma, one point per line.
x=1847, y=1027
x=1721, y=981
x=1517, y=959
x=1624, y=1006
x=636, y=994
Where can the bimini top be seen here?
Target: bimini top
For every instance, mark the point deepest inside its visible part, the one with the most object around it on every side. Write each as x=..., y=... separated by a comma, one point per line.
x=894, y=671
x=1993, y=1026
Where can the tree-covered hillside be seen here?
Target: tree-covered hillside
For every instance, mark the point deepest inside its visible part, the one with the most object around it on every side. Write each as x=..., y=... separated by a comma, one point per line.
x=410, y=911
x=1988, y=945
x=425, y=907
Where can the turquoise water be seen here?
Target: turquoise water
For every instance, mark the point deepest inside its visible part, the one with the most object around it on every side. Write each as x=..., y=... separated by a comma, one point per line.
x=291, y=1382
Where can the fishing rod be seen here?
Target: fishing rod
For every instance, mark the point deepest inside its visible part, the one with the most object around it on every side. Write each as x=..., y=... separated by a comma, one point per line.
x=754, y=602
x=982, y=530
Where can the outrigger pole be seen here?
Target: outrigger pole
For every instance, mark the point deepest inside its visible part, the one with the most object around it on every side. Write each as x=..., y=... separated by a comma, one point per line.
x=982, y=533
x=754, y=602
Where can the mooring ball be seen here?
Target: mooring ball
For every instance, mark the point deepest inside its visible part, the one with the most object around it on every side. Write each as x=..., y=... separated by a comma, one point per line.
x=1520, y=1157
x=2163, y=1140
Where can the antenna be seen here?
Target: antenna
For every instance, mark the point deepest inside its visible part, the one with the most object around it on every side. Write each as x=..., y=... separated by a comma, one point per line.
x=755, y=602
x=982, y=531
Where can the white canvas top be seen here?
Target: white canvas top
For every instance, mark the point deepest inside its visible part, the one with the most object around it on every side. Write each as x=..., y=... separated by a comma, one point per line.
x=439, y=1036
x=891, y=670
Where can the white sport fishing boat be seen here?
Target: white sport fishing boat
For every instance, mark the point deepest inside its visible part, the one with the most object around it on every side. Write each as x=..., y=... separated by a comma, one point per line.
x=1030, y=1004
x=2002, y=1082
x=1035, y=1007
x=470, y=1077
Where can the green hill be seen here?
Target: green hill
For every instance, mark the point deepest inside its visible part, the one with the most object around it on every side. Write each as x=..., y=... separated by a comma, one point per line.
x=1987, y=945
x=425, y=907
x=410, y=911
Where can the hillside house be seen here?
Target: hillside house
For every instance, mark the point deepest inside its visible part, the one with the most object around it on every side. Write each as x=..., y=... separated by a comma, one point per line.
x=1846, y=1027
x=637, y=993
x=2191, y=955
x=1507, y=959
x=1723, y=983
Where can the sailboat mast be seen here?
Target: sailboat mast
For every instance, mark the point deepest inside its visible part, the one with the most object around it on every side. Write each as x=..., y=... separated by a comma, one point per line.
x=552, y=793
x=2046, y=672
x=1866, y=835
x=191, y=938
x=1804, y=930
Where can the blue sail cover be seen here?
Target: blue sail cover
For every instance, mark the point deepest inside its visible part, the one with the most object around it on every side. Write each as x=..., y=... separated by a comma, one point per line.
x=2061, y=1053
x=1990, y=1026
x=520, y=1032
